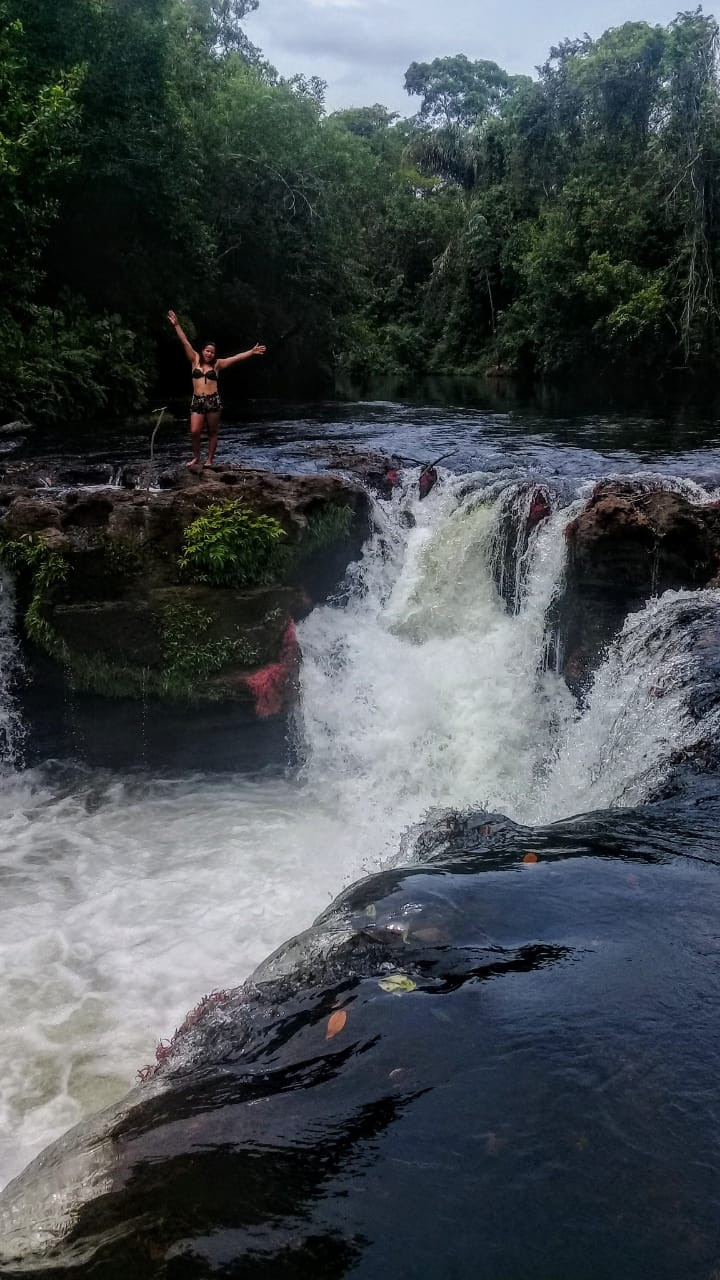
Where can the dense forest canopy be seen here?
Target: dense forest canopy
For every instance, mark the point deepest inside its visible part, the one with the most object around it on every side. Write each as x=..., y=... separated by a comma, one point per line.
x=150, y=157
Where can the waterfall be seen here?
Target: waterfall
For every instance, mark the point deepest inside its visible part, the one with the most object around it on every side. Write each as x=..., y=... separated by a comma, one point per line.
x=431, y=683
x=436, y=686
x=11, y=727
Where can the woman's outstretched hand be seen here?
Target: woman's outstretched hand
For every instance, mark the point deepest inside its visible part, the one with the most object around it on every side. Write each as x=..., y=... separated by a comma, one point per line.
x=258, y=349
x=173, y=319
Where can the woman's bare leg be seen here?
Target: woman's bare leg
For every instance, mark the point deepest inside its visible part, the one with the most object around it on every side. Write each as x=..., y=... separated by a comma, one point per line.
x=213, y=422
x=197, y=422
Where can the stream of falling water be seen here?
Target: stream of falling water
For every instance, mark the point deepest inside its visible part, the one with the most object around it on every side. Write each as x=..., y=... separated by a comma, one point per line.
x=124, y=899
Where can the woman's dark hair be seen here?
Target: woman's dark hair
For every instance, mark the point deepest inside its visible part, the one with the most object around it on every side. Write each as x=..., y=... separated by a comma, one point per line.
x=209, y=343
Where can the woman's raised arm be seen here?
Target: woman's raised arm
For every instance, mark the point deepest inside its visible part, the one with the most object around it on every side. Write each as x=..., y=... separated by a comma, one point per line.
x=190, y=351
x=257, y=350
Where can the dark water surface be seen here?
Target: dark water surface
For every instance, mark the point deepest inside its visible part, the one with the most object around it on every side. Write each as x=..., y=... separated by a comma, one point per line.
x=492, y=426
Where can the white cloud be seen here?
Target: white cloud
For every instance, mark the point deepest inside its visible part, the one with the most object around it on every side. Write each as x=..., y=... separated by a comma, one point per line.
x=363, y=47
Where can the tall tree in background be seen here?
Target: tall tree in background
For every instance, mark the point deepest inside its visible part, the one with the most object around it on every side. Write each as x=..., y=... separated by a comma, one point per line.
x=690, y=158
x=457, y=91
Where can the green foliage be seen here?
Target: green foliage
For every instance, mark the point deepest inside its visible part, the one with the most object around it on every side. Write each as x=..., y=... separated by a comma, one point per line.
x=96, y=674
x=190, y=654
x=231, y=546
x=121, y=559
x=38, y=148
x=149, y=157
x=326, y=526
x=191, y=658
x=31, y=559
x=457, y=91
x=581, y=212
x=67, y=364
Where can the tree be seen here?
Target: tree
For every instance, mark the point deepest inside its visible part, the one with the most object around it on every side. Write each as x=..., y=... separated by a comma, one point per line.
x=456, y=91
x=690, y=157
x=38, y=149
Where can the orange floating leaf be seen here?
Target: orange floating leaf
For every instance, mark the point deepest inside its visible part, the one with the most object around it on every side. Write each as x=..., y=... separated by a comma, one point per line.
x=336, y=1023
x=530, y=857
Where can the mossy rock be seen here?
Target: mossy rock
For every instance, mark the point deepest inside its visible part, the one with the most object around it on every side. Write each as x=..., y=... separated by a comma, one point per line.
x=105, y=579
x=122, y=631
x=174, y=643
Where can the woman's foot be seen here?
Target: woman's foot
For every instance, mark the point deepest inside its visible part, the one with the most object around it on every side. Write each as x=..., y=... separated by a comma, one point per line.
x=195, y=464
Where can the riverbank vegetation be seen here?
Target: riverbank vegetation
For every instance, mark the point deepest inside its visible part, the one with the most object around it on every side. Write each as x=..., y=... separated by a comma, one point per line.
x=150, y=157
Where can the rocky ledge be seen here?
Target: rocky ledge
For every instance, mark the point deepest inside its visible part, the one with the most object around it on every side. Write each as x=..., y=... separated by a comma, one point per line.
x=626, y=546
x=185, y=594
x=629, y=543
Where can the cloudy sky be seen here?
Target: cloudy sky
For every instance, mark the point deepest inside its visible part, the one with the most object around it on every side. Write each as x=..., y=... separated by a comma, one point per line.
x=363, y=47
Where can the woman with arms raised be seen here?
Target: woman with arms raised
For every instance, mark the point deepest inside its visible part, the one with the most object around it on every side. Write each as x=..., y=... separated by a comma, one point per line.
x=206, y=405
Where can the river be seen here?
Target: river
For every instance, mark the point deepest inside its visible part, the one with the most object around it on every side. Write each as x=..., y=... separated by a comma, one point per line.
x=126, y=897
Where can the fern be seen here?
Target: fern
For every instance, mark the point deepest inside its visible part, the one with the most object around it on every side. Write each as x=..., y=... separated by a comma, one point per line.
x=231, y=546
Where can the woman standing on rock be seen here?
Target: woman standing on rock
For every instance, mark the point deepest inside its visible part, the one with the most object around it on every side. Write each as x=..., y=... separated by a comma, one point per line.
x=206, y=405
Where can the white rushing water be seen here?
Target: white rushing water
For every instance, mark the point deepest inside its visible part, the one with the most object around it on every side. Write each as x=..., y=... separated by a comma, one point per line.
x=125, y=900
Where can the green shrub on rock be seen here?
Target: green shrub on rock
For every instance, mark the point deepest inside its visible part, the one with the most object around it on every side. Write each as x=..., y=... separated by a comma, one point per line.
x=232, y=546
x=190, y=653
x=44, y=569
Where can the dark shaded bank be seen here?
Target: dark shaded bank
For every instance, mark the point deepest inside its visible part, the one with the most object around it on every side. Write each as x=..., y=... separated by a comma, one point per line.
x=497, y=1062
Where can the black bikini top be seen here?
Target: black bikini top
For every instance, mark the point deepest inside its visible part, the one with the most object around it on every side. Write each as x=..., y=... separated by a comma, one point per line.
x=210, y=376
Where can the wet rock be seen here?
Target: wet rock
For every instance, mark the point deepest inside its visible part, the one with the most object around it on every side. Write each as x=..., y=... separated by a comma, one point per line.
x=132, y=475
x=384, y=482
x=84, y=474
x=33, y=515
x=340, y=457
x=627, y=545
x=118, y=621
x=430, y=1019
x=26, y=475
x=86, y=512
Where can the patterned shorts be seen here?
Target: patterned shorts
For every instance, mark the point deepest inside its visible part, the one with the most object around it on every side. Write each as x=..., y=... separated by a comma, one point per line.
x=206, y=404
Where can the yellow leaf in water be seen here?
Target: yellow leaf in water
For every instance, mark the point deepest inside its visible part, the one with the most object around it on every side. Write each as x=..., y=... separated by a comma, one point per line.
x=397, y=984
x=336, y=1022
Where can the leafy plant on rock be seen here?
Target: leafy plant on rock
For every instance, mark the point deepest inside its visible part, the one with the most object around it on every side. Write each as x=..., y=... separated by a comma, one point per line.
x=191, y=654
x=44, y=568
x=232, y=546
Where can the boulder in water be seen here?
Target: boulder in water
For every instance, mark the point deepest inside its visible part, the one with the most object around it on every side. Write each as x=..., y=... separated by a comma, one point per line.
x=628, y=544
